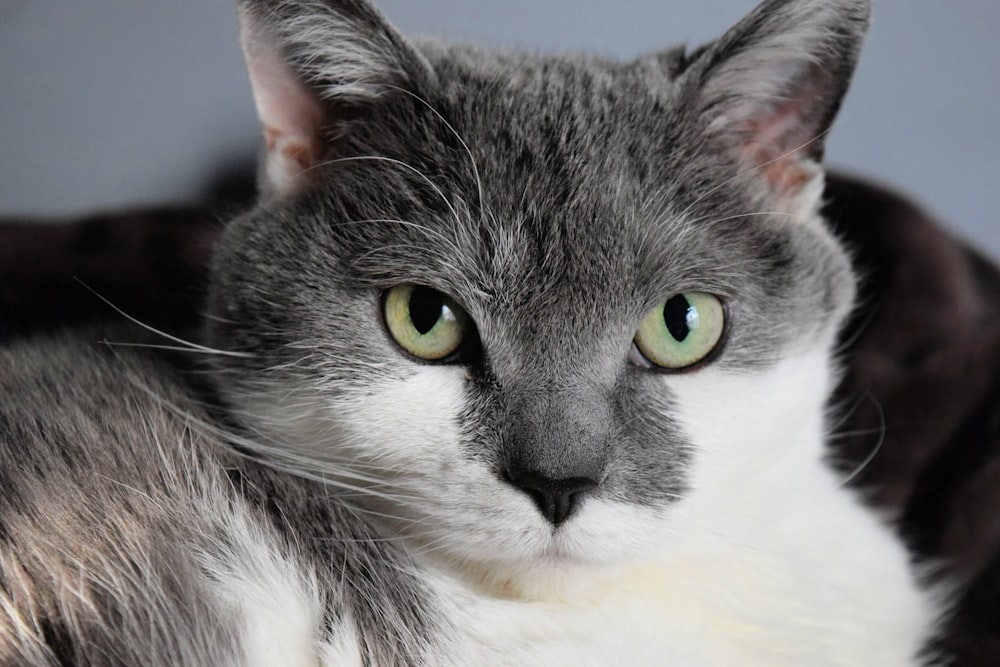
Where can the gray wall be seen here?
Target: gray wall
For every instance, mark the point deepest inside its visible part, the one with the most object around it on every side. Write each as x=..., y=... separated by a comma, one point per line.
x=105, y=103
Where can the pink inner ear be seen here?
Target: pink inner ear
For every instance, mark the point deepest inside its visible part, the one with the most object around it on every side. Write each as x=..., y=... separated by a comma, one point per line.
x=775, y=142
x=294, y=153
x=290, y=112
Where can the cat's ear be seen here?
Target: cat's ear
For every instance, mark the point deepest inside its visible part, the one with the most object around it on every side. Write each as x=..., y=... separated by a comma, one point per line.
x=314, y=65
x=772, y=85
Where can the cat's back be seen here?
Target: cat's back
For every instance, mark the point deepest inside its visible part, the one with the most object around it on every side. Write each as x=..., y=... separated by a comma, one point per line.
x=130, y=534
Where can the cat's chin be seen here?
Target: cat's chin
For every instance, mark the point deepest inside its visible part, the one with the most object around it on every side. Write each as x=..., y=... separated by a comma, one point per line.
x=552, y=575
x=530, y=559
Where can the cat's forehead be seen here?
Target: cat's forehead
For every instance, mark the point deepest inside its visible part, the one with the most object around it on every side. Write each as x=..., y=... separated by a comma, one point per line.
x=550, y=177
x=541, y=180
x=594, y=256
x=523, y=81
x=562, y=122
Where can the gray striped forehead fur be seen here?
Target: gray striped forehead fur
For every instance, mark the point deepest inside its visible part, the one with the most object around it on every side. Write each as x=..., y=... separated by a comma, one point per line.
x=558, y=200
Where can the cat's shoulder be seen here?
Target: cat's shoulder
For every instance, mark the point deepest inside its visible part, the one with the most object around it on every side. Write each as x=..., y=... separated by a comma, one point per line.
x=131, y=524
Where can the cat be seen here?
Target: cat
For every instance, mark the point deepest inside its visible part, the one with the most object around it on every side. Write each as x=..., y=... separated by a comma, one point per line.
x=518, y=360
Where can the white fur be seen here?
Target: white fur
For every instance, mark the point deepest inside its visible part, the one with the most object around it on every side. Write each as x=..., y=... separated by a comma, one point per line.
x=766, y=561
x=276, y=598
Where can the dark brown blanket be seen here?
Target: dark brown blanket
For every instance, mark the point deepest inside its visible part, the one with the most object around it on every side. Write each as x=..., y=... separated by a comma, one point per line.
x=920, y=401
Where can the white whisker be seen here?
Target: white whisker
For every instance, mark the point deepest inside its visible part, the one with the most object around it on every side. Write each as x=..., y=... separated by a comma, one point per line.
x=382, y=158
x=186, y=344
x=169, y=348
x=875, y=450
x=451, y=128
x=751, y=170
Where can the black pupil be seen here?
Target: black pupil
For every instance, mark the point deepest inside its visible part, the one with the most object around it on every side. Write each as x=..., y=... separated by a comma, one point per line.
x=675, y=316
x=425, y=308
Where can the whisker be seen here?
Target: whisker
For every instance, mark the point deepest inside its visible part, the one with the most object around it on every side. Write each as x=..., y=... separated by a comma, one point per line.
x=844, y=435
x=171, y=348
x=187, y=345
x=875, y=450
x=862, y=327
x=128, y=487
x=750, y=170
x=400, y=163
x=451, y=128
x=281, y=456
x=404, y=223
x=737, y=216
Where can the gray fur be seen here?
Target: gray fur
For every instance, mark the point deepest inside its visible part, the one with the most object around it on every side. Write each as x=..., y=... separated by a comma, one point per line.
x=557, y=199
x=111, y=501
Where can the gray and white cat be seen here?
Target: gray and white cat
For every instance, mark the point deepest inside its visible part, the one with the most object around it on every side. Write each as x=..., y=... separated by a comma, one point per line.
x=519, y=360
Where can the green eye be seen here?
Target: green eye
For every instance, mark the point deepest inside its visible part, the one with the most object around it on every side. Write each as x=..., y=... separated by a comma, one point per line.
x=682, y=331
x=425, y=322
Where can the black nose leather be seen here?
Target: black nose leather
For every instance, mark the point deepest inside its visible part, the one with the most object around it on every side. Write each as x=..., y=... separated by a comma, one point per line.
x=556, y=499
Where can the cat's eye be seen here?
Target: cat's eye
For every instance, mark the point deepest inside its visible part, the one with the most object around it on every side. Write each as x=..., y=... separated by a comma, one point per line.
x=680, y=332
x=424, y=322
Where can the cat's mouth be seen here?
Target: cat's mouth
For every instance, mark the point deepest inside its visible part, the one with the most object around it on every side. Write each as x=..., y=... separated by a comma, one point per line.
x=558, y=554
x=597, y=536
x=548, y=574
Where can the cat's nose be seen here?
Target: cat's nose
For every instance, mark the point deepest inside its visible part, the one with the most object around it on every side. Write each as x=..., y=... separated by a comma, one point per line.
x=556, y=499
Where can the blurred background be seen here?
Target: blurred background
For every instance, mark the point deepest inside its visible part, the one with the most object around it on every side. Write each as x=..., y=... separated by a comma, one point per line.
x=105, y=104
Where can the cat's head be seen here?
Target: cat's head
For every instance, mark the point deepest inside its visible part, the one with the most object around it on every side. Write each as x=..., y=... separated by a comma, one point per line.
x=535, y=310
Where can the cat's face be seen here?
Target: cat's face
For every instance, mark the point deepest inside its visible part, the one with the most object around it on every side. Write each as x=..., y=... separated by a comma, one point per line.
x=474, y=274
